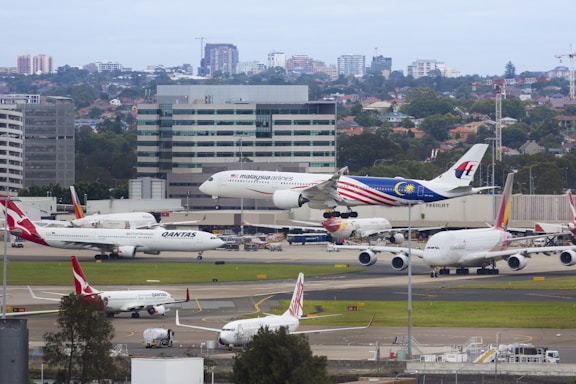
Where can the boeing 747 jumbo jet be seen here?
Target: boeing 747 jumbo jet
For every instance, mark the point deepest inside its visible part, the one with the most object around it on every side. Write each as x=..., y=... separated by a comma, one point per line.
x=238, y=333
x=153, y=301
x=461, y=249
x=117, y=242
x=324, y=191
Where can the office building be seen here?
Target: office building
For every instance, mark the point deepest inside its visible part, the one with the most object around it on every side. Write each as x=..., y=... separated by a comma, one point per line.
x=11, y=149
x=422, y=68
x=195, y=125
x=381, y=65
x=276, y=59
x=219, y=59
x=29, y=65
x=351, y=65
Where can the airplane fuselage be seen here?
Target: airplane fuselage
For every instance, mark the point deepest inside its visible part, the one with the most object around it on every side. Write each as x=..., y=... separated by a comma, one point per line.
x=345, y=228
x=463, y=248
x=143, y=240
x=129, y=301
x=352, y=190
x=240, y=332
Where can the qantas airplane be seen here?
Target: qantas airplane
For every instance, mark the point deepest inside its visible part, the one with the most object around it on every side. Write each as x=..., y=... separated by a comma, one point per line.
x=238, y=333
x=461, y=249
x=132, y=220
x=118, y=242
x=325, y=191
x=153, y=301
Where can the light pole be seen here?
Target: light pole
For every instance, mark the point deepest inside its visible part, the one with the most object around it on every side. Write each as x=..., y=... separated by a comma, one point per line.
x=531, y=180
x=409, y=281
x=241, y=199
x=493, y=140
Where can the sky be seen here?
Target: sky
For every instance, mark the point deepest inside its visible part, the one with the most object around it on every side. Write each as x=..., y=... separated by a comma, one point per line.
x=471, y=36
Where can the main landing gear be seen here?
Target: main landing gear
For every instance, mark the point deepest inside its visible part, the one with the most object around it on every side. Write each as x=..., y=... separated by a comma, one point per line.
x=344, y=215
x=464, y=271
x=105, y=256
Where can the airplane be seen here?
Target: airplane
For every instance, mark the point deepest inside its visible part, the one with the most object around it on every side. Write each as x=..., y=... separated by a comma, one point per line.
x=566, y=228
x=118, y=242
x=238, y=333
x=153, y=301
x=132, y=220
x=343, y=229
x=478, y=247
x=327, y=191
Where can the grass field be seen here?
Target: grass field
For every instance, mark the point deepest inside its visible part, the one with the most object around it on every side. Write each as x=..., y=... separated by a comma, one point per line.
x=430, y=313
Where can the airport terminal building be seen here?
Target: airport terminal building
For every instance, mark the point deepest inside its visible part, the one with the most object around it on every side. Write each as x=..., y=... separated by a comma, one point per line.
x=195, y=130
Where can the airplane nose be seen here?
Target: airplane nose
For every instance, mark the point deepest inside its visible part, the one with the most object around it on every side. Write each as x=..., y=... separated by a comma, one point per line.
x=203, y=187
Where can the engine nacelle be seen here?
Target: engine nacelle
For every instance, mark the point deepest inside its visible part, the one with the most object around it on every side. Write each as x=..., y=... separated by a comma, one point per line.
x=157, y=310
x=517, y=262
x=568, y=258
x=396, y=238
x=367, y=258
x=400, y=262
x=286, y=199
x=126, y=251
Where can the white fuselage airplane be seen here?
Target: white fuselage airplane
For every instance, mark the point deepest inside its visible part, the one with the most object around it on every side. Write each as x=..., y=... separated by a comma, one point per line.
x=118, y=242
x=153, y=301
x=565, y=228
x=238, y=333
x=465, y=248
x=327, y=191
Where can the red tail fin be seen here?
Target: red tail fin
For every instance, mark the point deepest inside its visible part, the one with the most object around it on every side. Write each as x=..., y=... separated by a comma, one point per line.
x=18, y=223
x=297, y=303
x=80, y=282
x=187, y=295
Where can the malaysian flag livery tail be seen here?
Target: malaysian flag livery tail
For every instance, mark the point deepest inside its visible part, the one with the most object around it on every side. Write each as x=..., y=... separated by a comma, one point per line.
x=462, y=172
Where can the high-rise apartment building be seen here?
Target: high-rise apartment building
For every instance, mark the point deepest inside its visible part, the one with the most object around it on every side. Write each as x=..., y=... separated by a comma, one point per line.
x=39, y=64
x=351, y=65
x=11, y=149
x=219, y=58
x=276, y=59
x=381, y=65
x=24, y=65
x=421, y=68
x=195, y=125
x=300, y=64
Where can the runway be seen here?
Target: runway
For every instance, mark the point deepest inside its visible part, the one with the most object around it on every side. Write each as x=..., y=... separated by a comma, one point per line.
x=223, y=301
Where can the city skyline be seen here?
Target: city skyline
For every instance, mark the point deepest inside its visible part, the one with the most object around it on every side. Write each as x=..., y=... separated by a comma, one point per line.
x=471, y=37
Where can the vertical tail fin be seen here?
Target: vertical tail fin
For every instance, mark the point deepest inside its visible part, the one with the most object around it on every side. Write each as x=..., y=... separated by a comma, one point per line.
x=80, y=282
x=505, y=204
x=463, y=171
x=18, y=222
x=297, y=303
x=78, y=212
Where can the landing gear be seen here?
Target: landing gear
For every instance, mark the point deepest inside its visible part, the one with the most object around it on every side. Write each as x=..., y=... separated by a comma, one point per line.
x=135, y=315
x=350, y=214
x=487, y=271
x=199, y=257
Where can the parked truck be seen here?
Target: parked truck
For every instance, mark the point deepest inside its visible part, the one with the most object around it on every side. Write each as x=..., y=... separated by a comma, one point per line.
x=158, y=337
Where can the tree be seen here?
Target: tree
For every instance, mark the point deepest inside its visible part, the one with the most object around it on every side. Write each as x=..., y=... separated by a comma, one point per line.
x=276, y=357
x=81, y=348
x=510, y=71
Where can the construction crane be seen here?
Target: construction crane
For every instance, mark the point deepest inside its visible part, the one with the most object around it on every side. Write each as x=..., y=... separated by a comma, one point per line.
x=571, y=56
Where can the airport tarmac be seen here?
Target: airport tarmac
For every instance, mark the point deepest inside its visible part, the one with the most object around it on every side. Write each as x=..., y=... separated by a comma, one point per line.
x=223, y=301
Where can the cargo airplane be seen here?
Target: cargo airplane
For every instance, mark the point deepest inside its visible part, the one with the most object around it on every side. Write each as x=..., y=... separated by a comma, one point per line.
x=153, y=301
x=238, y=333
x=117, y=242
x=461, y=249
x=327, y=191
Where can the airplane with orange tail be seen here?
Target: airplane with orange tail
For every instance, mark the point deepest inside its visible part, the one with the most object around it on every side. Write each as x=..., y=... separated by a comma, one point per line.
x=465, y=248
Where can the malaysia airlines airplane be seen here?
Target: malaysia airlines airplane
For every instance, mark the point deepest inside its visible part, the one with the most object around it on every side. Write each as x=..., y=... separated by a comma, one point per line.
x=461, y=249
x=238, y=333
x=117, y=242
x=567, y=228
x=153, y=301
x=327, y=191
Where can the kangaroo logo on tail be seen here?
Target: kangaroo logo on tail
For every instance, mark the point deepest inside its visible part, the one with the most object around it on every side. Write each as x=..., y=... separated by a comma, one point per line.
x=80, y=281
x=18, y=223
x=297, y=303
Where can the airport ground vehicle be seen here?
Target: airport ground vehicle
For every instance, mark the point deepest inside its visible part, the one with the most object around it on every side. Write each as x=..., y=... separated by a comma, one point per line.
x=158, y=337
x=306, y=238
x=17, y=242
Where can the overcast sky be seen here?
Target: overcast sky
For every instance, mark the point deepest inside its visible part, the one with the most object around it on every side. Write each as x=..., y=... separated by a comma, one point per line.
x=472, y=36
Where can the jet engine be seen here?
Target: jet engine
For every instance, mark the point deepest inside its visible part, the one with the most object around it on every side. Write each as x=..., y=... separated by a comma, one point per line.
x=568, y=258
x=126, y=251
x=400, y=262
x=367, y=258
x=396, y=238
x=517, y=262
x=285, y=199
x=157, y=310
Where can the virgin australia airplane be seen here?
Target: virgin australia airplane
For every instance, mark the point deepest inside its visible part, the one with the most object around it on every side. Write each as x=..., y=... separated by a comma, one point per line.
x=238, y=333
x=461, y=249
x=118, y=242
x=327, y=191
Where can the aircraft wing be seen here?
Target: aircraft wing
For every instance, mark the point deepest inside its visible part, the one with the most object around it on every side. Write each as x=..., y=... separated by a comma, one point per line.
x=384, y=248
x=30, y=313
x=333, y=329
x=195, y=326
x=312, y=226
x=325, y=191
x=44, y=298
x=172, y=225
x=524, y=251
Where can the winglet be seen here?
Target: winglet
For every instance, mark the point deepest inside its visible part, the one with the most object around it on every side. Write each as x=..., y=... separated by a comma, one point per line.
x=177, y=318
x=506, y=204
x=371, y=320
x=187, y=295
x=342, y=171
